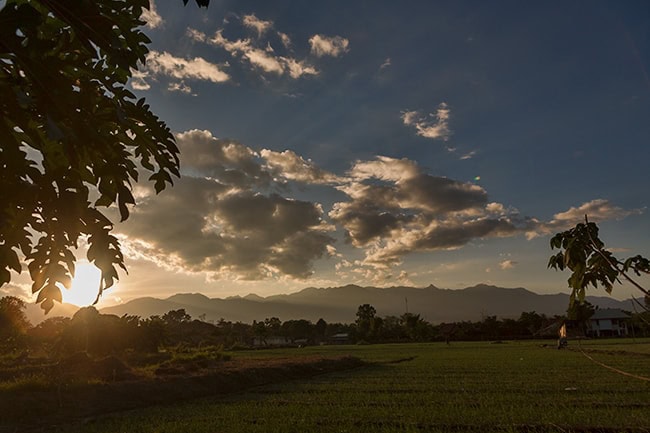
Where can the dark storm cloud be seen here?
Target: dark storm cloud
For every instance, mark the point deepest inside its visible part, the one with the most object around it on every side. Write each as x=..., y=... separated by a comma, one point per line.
x=217, y=219
x=226, y=219
x=395, y=209
x=447, y=235
x=230, y=162
x=441, y=195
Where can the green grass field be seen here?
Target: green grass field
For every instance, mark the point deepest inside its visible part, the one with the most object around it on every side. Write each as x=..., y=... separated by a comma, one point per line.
x=509, y=387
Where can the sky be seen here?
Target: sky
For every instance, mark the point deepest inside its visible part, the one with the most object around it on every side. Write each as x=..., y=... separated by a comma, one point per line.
x=389, y=143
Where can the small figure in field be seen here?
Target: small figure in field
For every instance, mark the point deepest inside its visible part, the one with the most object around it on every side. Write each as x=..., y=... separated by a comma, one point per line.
x=562, y=341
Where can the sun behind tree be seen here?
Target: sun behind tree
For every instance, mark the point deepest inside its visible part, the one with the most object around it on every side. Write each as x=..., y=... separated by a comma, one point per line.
x=85, y=284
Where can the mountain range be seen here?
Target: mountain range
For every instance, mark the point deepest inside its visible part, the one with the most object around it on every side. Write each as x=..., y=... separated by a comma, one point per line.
x=339, y=304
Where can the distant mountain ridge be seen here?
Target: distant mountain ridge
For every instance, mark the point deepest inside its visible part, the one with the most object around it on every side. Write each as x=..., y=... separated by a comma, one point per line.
x=339, y=304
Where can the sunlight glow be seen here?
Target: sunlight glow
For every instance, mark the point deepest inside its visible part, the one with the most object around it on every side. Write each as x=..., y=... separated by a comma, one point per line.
x=84, y=285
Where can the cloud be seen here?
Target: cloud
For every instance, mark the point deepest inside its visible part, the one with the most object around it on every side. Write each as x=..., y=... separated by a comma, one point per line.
x=150, y=16
x=196, y=35
x=385, y=168
x=285, y=39
x=240, y=166
x=386, y=63
x=231, y=163
x=138, y=80
x=180, y=87
x=264, y=59
x=222, y=218
x=165, y=64
x=410, y=117
x=291, y=166
x=328, y=45
x=260, y=50
x=619, y=250
x=428, y=128
x=19, y=290
x=202, y=226
x=495, y=208
x=240, y=45
x=196, y=68
x=225, y=217
x=441, y=195
x=296, y=68
x=468, y=155
x=408, y=186
x=364, y=222
x=360, y=273
x=596, y=210
x=395, y=208
x=252, y=22
x=434, y=235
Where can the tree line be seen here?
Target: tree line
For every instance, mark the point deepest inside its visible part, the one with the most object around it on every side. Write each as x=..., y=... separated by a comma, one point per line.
x=99, y=334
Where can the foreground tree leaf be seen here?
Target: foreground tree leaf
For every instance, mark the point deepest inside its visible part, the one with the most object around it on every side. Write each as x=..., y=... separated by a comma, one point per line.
x=584, y=254
x=72, y=137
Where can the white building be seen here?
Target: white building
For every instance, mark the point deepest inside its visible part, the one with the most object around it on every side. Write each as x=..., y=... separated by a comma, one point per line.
x=608, y=322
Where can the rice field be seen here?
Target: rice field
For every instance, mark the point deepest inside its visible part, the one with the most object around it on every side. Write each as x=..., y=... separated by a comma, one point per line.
x=478, y=387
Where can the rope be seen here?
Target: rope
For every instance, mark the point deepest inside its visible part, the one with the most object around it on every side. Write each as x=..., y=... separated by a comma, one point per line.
x=615, y=370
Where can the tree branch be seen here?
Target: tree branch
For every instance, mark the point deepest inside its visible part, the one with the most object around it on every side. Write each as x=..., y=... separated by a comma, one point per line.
x=613, y=265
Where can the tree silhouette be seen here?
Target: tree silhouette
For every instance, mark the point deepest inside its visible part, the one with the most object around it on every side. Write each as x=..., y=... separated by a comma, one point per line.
x=73, y=138
x=320, y=329
x=365, y=320
x=531, y=321
x=13, y=321
x=176, y=316
x=415, y=327
x=584, y=254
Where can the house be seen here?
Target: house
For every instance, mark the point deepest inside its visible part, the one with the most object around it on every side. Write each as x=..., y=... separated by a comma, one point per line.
x=341, y=338
x=608, y=322
x=271, y=341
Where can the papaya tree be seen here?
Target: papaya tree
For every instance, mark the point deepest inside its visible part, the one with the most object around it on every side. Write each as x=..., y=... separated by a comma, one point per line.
x=73, y=138
x=591, y=264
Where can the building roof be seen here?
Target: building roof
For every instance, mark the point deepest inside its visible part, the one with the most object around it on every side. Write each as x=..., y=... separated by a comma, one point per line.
x=609, y=313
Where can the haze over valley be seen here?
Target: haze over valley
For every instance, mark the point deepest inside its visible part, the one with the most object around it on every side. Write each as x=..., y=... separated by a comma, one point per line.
x=339, y=304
